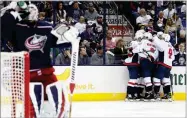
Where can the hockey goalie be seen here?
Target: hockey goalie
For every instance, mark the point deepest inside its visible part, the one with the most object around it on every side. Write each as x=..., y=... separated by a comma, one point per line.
x=22, y=31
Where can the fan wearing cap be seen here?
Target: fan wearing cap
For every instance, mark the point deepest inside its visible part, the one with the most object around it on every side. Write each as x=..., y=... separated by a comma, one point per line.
x=98, y=28
x=97, y=57
x=74, y=12
x=91, y=13
x=63, y=58
x=88, y=34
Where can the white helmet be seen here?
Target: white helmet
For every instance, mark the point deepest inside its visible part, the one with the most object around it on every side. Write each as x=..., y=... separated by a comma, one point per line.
x=159, y=34
x=138, y=36
x=141, y=31
x=166, y=37
x=33, y=12
x=148, y=36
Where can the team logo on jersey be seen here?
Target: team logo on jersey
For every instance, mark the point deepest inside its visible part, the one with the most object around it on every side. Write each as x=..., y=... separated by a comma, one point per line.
x=35, y=42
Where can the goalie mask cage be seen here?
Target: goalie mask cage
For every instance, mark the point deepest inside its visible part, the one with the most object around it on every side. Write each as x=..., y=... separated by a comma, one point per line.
x=15, y=79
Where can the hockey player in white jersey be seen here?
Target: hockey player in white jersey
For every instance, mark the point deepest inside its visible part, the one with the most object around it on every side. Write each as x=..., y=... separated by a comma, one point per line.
x=166, y=56
x=133, y=67
x=148, y=54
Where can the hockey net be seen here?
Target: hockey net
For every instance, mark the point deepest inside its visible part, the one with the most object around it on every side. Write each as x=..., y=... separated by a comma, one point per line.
x=15, y=84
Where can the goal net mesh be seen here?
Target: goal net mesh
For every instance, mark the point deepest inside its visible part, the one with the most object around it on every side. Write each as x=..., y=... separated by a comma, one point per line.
x=15, y=84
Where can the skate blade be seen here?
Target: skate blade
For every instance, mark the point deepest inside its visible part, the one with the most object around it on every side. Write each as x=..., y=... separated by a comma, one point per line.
x=149, y=100
x=157, y=100
x=167, y=100
x=129, y=100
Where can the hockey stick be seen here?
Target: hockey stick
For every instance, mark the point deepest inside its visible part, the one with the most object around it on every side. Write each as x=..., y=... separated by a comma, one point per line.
x=74, y=63
x=149, y=56
x=171, y=79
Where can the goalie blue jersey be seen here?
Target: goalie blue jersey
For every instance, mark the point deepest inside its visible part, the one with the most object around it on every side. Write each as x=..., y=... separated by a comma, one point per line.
x=34, y=37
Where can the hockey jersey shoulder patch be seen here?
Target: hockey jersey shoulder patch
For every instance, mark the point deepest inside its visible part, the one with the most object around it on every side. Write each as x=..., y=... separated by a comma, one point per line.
x=35, y=42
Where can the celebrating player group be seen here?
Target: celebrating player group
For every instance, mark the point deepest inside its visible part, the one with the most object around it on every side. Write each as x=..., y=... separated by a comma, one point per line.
x=149, y=63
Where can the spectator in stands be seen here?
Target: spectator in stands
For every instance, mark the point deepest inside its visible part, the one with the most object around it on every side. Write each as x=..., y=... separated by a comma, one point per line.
x=143, y=19
x=98, y=29
x=177, y=21
x=48, y=11
x=171, y=29
x=81, y=25
x=160, y=21
x=151, y=10
x=110, y=43
x=41, y=16
x=183, y=8
x=75, y=12
x=60, y=12
x=120, y=51
x=88, y=34
x=83, y=57
x=180, y=57
x=86, y=44
x=159, y=7
x=150, y=27
x=91, y=13
x=134, y=8
x=97, y=57
x=170, y=26
x=182, y=36
x=63, y=58
x=168, y=12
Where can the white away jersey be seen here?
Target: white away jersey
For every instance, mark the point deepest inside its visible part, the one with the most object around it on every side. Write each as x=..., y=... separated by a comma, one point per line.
x=166, y=52
x=146, y=48
x=132, y=58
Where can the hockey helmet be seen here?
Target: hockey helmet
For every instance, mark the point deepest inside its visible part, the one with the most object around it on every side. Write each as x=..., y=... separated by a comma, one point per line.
x=166, y=37
x=148, y=36
x=138, y=36
x=159, y=35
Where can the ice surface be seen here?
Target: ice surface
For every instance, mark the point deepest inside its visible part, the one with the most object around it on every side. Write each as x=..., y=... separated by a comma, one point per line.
x=129, y=109
x=123, y=109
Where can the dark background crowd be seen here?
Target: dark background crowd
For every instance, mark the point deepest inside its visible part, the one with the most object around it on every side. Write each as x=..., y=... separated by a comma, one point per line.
x=166, y=16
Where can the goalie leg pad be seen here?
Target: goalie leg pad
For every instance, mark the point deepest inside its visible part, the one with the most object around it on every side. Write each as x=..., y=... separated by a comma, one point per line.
x=37, y=99
x=58, y=98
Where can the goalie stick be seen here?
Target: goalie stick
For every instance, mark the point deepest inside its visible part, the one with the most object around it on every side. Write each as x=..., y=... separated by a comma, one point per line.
x=66, y=33
x=74, y=63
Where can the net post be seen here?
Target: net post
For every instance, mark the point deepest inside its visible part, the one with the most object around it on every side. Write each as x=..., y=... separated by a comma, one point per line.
x=26, y=82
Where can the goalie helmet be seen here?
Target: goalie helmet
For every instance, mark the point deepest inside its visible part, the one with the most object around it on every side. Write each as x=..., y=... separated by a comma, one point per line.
x=147, y=36
x=33, y=12
x=166, y=37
